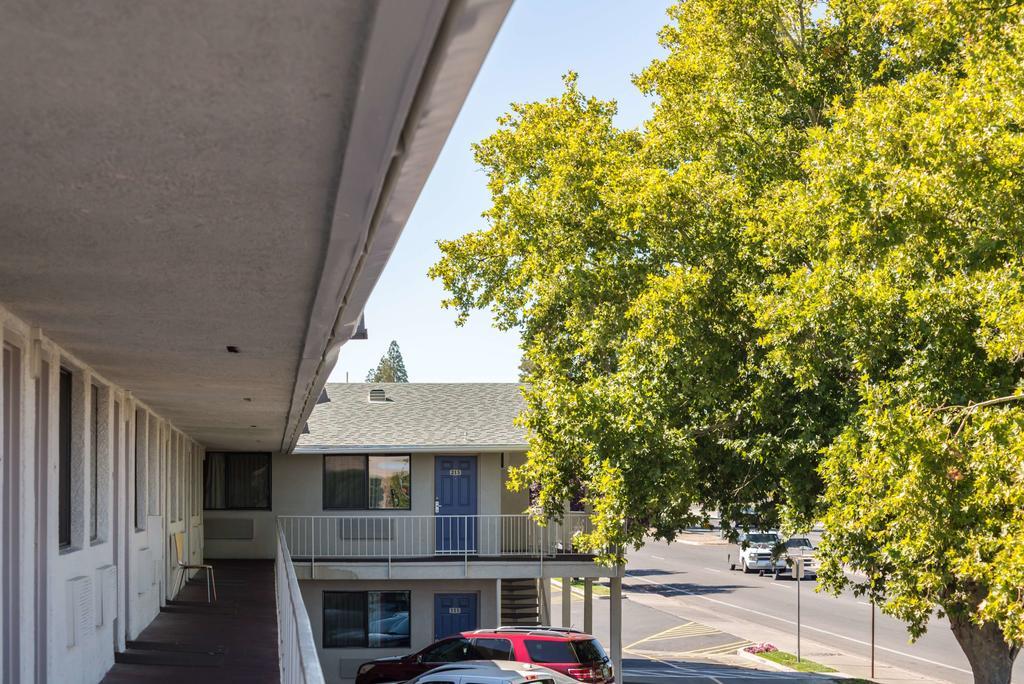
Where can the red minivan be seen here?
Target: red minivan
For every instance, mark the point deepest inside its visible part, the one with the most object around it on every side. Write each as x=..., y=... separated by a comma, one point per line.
x=568, y=651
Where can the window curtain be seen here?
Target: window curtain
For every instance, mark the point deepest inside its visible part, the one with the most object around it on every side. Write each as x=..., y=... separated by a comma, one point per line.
x=214, y=496
x=345, y=482
x=248, y=480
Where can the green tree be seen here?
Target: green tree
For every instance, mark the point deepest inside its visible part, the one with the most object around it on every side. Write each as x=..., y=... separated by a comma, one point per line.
x=805, y=260
x=391, y=367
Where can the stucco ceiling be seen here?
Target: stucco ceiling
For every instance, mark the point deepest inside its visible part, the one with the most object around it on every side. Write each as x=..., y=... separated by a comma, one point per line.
x=174, y=183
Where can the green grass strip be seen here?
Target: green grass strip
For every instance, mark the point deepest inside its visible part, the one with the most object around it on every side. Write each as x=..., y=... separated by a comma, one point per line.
x=789, y=660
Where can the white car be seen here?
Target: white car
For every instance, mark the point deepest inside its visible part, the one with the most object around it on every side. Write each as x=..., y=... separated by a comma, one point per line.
x=757, y=552
x=801, y=550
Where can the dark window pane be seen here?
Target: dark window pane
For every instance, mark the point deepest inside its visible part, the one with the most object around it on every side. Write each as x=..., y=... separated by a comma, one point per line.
x=236, y=480
x=94, y=462
x=449, y=651
x=344, y=619
x=388, y=618
x=248, y=480
x=550, y=651
x=344, y=482
x=493, y=649
x=140, y=472
x=64, y=474
x=389, y=482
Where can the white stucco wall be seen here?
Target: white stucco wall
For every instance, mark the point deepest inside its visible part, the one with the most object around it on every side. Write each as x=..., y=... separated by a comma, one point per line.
x=297, y=489
x=340, y=664
x=72, y=607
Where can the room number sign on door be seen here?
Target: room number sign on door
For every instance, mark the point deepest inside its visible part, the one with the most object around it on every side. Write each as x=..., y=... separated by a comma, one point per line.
x=455, y=610
x=455, y=472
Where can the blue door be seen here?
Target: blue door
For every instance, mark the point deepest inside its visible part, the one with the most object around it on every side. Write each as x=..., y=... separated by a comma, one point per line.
x=454, y=613
x=454, y=504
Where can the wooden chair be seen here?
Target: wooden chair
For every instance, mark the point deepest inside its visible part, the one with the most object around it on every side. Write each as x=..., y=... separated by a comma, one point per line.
x=184, y=567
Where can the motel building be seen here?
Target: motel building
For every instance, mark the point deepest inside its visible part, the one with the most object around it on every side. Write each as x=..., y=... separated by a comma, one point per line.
x=196, y=204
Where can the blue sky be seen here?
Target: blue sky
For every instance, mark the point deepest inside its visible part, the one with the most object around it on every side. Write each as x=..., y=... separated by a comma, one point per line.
x=605, y=41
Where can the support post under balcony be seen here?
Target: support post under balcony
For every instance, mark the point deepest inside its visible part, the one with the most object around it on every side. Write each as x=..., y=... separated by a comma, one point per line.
x=567, y=602
x=588, y=605
x=615, y=623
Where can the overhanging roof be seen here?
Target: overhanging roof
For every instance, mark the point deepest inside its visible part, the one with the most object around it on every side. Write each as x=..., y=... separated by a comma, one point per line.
x=181, y=178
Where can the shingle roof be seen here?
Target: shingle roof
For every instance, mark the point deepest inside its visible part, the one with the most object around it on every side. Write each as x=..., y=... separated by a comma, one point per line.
x=416, y=415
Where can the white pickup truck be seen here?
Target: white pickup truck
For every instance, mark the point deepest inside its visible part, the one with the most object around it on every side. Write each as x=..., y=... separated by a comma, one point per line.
x=801, y=550
x=757, y=552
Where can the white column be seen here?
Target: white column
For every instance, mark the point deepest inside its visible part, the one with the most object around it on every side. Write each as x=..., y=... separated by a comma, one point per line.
x=567, y=602
x=615, y=625
x=588, y=605
x=497, y=593
x=544, y=596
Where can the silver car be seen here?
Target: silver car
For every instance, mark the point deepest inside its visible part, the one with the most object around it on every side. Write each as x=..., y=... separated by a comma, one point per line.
x=491, y=672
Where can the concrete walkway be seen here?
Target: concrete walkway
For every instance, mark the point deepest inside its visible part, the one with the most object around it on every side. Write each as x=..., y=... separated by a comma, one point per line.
x=231, y=640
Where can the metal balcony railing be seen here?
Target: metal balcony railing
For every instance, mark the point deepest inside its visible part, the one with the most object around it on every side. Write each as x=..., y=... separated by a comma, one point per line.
x=398, y=537
x=296, y=646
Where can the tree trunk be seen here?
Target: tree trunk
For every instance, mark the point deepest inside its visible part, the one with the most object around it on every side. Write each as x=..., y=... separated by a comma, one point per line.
x=990, y=656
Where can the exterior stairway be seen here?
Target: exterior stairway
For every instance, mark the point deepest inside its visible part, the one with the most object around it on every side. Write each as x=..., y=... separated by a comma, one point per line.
x=520, y=603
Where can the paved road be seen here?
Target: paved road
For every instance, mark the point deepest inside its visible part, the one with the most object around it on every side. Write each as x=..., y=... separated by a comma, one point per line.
x=698, y=576
x=663, y=647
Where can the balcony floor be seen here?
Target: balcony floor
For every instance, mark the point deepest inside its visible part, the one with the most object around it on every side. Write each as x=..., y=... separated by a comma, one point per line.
x=232, y=640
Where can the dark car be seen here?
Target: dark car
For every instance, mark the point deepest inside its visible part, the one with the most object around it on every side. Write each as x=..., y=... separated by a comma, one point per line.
x=570, y=652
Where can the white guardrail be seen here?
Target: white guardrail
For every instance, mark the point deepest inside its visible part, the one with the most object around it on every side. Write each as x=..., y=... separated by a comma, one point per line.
x=296, y=647
x=395, y=537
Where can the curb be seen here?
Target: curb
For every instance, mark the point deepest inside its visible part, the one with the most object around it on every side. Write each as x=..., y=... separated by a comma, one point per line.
x=579, y=592
x=753, y=657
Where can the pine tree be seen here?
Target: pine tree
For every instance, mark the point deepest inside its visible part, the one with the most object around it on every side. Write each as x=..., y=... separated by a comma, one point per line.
x=391, y=367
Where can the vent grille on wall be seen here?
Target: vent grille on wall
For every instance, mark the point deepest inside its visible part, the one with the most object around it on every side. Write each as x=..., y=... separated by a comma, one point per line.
x=229, y=528
x=144, y=581
x=106, y=596
x=80, y=607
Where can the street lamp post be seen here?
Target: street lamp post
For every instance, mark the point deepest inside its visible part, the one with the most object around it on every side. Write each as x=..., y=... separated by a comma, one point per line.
x=872, y=639
x=797, y=565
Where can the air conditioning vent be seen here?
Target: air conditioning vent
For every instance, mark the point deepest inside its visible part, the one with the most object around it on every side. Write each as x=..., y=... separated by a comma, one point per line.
x=378, y=395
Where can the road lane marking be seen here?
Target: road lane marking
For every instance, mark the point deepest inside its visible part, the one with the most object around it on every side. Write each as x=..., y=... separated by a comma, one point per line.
x=720, y=649
x=658, y=557
x=656, y=635
x=688, y=629
x=713, y=570
x=714, y=649
x=793, y=622
x=685, y=670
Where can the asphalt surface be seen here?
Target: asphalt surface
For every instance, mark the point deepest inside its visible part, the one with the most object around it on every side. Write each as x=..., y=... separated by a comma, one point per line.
x=663, y=647
x=697, y=578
